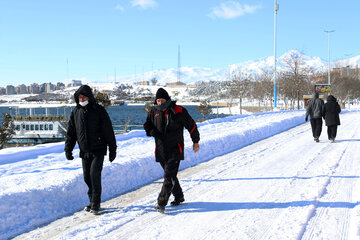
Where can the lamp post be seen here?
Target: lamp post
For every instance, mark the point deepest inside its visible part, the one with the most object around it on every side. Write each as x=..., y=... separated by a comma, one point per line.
x=276, y=8
x=328, y=32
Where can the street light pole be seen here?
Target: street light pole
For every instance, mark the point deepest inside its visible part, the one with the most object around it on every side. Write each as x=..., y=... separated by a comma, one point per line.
x=328, y=32
x=276, y=8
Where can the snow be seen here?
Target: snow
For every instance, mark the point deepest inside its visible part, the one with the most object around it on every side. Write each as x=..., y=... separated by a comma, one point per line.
x=258, y=176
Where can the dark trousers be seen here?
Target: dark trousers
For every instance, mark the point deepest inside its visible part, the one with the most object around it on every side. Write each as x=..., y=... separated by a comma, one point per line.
x=92, y=166
x=331, y=131
x=171, y=182
x=316, y=126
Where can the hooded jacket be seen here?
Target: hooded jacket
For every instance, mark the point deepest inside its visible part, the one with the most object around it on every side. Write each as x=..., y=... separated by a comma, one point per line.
x=316, y=107
x=167, y=127
x=90, y=126
x=331, y=111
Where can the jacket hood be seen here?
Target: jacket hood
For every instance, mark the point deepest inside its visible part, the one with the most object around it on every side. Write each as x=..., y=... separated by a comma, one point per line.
x=316, y=95
x=86, y=91
x=331, y=98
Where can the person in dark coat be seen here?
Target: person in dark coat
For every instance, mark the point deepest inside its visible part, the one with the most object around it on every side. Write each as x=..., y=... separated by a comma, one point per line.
x=90, y=126
x=331, y=116
x=315, y=110
x=165, y=122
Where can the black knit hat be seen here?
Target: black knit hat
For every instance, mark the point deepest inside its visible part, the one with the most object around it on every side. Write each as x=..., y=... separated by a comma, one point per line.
x=162, y=93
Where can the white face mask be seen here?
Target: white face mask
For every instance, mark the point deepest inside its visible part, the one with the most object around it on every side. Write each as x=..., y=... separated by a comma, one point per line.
x=84, y=103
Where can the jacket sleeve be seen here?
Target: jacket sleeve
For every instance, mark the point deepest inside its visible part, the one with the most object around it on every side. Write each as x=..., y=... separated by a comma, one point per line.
x=70, y=135
x=108, y=131
x=148, y=125
x=191, y=126
x=308, y=109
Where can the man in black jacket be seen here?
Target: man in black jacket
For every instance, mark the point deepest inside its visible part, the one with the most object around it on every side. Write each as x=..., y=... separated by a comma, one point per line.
x=315, y=110
x=90, y=126
x=165, y=122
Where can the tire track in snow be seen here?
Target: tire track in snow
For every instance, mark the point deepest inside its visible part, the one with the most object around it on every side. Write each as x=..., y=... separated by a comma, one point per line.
x=317, y=214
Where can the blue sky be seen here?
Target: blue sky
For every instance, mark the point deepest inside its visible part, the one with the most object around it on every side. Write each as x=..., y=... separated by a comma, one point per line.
x=52, y=40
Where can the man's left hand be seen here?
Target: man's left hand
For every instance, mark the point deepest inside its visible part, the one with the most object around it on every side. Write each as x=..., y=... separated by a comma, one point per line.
x=196, y=147
x=112, y=156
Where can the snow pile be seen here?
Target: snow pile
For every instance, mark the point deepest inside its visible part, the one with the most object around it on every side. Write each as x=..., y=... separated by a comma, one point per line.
x=38, y=185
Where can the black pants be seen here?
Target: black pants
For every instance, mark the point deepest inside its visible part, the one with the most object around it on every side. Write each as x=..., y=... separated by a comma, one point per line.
x=316, y=126
x=171, y=182
x=92, y=166
x=331, y=131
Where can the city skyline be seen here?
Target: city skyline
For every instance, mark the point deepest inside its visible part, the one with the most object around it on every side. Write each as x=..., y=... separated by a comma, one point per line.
x=44, y=41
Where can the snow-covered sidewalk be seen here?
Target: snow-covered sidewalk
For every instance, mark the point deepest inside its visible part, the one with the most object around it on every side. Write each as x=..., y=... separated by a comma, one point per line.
x=239, y=194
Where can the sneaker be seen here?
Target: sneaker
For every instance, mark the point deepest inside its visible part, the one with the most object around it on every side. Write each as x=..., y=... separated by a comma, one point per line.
x=88, y=208
x=95, y=208
x=160, y=208
x=332, y=140
x=317, y=140
x=177, y=202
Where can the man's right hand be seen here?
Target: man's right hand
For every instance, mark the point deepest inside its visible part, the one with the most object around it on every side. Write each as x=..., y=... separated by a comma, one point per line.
x=69, y=156
x=155, y=133
x=306, y=119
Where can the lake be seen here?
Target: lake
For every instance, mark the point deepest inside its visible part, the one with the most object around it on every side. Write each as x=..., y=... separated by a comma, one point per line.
x=118, y=114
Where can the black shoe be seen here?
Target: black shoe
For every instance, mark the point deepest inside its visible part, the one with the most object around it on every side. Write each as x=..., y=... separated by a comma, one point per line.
x=88, y=208
x=177, y=202
x=160, y=208
x=316, y=139
x=95, y=208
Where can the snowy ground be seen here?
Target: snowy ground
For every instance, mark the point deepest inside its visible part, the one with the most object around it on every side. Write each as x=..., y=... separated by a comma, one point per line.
x=284, y=187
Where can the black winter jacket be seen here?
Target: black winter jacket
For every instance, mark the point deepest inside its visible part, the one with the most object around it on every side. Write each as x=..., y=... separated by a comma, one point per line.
x=90, y=126
x=316, y=107
x=331, y=112
x=168, y=129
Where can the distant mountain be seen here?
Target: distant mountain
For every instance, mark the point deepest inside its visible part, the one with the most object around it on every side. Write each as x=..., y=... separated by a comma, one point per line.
x=192, y=75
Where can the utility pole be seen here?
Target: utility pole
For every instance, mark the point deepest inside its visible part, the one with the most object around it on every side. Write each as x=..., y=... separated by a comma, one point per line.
x=179, y=65
x=276, y=8
x=328, y=32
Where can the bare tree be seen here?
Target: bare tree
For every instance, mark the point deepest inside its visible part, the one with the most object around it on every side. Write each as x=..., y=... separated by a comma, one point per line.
x=263, y=88
x=295, y=80
x=241, y=87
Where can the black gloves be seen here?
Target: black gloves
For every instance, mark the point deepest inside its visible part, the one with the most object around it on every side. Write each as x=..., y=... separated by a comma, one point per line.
x=69, y=155
x=112, y=156
x=155, y=133
x=306, y=119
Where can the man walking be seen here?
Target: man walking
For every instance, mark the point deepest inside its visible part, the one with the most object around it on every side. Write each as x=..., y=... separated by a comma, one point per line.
x=91, y=128
x=316, y=111
x=165, y=122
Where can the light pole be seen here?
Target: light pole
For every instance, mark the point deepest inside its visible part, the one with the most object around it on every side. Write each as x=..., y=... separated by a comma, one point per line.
x=276, y=8
x=328, y=32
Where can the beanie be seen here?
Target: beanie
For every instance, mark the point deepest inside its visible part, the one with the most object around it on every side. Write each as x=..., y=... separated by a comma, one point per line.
x=162, y=93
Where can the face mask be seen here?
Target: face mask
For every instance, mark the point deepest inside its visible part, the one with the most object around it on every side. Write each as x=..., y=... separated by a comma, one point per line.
x=84, y=103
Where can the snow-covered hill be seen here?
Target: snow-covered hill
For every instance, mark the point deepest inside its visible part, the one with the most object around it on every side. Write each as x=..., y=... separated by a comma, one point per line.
x=191, y=75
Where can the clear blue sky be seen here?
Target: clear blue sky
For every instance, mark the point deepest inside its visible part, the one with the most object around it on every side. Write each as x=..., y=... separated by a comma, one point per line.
x=51, y=40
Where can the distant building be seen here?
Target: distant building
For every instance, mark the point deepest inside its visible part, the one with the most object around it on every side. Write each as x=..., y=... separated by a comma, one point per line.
x=10, y=90
x=60, y=86
x=76, y=83
x=49, y=87
x=34, y=88
x=176, y=84
x=22, y=89
x=43, y=88
x=2, y=91
x=347, y=71
x=147, y=83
